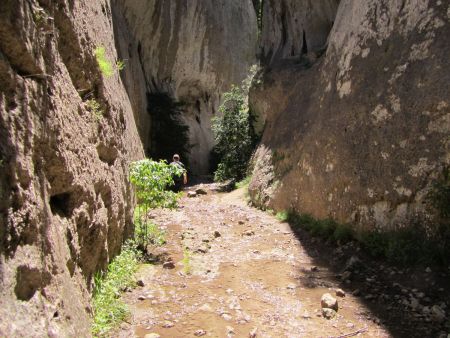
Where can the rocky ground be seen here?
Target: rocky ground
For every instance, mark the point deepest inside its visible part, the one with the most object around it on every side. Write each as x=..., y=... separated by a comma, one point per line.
x=229, y=270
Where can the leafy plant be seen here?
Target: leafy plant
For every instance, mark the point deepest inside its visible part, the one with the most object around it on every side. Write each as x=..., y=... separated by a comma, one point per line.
x=39, y=16
x=95, y=108
x=151, y=180
x=147, y=233
x=120, y=65
x=109, y=310
x=233, y=132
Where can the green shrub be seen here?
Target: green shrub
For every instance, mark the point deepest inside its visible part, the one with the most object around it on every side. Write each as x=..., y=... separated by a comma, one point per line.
x=343, y=233
x=233, y=133
x=374, y=243
x=95, y=108
x=282, y=216
x=151, y=180
x=146, y=233
x=408, y=245
x=120, y=65
x=109, y=310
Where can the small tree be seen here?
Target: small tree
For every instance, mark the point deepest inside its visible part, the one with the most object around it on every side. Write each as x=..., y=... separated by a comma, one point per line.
x=233, y=132
x=151, y=180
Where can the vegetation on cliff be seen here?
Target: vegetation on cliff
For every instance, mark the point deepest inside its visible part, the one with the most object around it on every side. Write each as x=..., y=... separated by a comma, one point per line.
x=233, y=132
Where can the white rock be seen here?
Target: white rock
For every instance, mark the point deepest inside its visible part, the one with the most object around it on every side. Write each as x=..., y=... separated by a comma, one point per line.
x=152, y=335
x=329, y=302
x=199, y=333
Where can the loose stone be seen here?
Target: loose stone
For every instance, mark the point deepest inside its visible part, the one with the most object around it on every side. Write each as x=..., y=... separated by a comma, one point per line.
x=199, y=333
x=340, y=293
x=329, y=302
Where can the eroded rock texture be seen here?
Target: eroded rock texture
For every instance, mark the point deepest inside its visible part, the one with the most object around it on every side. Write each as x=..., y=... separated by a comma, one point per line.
x=356, y=125
x=193, y=51
x=65, y=201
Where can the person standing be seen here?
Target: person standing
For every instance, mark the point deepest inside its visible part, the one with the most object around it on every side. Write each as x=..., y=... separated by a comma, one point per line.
x=179, y=181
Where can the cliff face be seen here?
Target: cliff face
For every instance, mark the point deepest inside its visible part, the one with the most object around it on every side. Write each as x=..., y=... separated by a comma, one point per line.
x=193, y=51
x=65, y=201
x=290, y=28
x=357, y=129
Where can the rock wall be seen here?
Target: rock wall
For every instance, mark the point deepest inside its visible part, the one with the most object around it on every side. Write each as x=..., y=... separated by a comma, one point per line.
x=192, y=51
x=290, y=28
x=65, y=204
x=359, y=130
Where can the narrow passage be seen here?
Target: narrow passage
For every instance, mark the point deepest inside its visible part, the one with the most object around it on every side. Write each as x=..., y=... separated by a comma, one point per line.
x=230, y=270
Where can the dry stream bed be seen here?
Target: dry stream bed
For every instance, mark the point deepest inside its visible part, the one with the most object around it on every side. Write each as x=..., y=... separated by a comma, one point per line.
x=230, y=270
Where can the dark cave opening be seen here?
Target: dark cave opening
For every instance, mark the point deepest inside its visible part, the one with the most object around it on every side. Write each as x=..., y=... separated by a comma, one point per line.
x=168, y=133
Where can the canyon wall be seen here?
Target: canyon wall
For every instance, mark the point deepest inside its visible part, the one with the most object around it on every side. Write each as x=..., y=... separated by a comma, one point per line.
x=353, y=107
x=67, y=136
x=193, y=51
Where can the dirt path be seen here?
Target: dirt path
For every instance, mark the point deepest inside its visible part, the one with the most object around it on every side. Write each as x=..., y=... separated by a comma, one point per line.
x=247, y=272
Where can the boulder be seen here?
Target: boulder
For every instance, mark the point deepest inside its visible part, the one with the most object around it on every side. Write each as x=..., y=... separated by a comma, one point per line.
x=328, y=313
x=329, y=302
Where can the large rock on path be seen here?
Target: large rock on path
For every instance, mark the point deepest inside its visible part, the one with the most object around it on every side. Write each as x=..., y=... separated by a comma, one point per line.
x=329, y=302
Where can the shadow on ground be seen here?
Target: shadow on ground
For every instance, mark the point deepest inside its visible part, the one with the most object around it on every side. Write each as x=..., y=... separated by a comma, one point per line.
x=402, y=299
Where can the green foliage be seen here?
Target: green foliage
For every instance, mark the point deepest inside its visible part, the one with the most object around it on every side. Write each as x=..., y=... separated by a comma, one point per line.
x=109, y=310
x=244, y=183
x=105, y=66
x=120, y=65
x=343, y=233
x=403, y=246
x=145, y=231
x=151, y=179
x=282, y=216
x=233, y=133
x=39, y=16
x=95, y=108
x=187, y=267
x=326, y=228
x=169, y=134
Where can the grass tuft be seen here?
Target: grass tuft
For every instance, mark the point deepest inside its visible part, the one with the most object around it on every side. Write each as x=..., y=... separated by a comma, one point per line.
x=95, y=108
x=187, y=266
x=109, y=310
x=282, y=216
x=244, y=183
x=105, y=66
x=404, y=246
